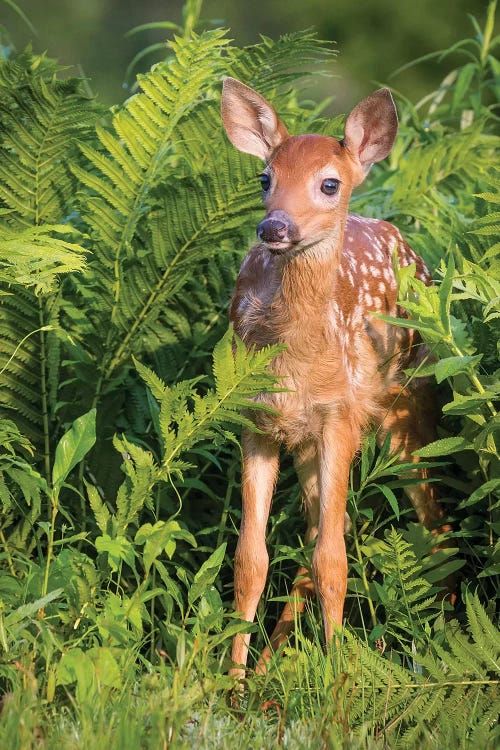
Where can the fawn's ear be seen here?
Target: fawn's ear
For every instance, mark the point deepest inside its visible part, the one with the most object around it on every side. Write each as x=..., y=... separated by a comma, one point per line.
x=370, y=129
x=250, y=121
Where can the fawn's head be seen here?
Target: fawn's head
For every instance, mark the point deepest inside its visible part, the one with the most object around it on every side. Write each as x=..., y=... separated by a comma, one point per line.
x=308, y=179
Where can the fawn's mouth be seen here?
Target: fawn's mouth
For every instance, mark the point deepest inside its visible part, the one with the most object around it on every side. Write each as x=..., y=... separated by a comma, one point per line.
x=295, y=248
x=281, y=247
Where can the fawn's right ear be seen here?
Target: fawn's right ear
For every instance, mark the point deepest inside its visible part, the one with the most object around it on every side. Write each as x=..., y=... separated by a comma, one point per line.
x=250, y=121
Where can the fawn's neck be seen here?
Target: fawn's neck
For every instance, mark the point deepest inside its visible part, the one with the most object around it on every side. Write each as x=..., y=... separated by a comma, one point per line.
x=300, y=311
x=308, y=282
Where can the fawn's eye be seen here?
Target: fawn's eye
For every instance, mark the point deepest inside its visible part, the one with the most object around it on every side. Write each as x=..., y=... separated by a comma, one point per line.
x=330, y=186
x=265, y=181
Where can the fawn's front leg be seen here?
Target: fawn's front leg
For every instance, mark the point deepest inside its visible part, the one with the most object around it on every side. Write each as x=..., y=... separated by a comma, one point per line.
x=337, y=446
x=260, y=469
x=307, y=466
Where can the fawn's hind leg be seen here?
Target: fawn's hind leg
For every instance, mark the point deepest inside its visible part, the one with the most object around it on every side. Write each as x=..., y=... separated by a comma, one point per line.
x=411, y=419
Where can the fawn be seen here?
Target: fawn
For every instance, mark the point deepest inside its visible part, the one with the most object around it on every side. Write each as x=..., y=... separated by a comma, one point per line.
x=311, y=283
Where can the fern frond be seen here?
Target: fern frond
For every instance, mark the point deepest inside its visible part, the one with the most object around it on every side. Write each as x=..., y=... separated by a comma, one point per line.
x=483, y=631
x=42, y=120
x=456, y=698
x=141, y=146
x=434, y=181
x=186, y=417
x=409, y=599
x=135, y=492
x=99, y=509
x=35, y=257
x=26, y=323
x=20, y=486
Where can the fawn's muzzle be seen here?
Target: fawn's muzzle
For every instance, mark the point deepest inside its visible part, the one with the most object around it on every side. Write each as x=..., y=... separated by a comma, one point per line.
x=277, y=230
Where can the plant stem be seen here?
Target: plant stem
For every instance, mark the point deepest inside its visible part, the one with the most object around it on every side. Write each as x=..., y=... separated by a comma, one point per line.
x=153, y=585
x=225, y=508
x=45, y=403
x=54, y=499
x=364, y=579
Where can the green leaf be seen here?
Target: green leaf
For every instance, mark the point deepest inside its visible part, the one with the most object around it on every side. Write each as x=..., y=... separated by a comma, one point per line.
x=160, y=538
x=118, y=549
x=390, y=497
x=75, y=666
x=445, y=295
x=450, y=366
x=444, y=447
x=73, y=446
x=29, y=609
x=493, y=485
x=101, y=513
x=439, y=574
x=468, y=404
x=106, y=666
x=206, y=574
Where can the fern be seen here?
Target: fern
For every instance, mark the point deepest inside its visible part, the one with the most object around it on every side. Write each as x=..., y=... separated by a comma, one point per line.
x=408, y=598
x=445, y=152
x=158, y=166
x=20, y=489
x=240, y=377
x=184, y=418
x=453, y=703
x=42, y=119
x=35, y=256
x=126, y=171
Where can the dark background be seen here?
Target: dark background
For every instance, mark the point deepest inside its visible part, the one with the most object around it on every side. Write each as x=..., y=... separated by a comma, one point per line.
x=374, y=37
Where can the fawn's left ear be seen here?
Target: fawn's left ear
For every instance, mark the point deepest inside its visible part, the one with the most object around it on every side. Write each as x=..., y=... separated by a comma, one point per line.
x=370, y=129
x=250, y=122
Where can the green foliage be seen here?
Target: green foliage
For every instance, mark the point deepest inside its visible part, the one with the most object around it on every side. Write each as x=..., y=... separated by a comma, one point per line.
x=120, y=237
x=452, y=699
x=19, y=486
x=43, y=119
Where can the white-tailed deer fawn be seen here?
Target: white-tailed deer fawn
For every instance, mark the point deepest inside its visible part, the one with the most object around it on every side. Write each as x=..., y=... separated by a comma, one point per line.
x=312, y=283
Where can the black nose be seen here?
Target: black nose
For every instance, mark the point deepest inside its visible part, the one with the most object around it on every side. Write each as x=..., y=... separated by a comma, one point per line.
x=272, y=230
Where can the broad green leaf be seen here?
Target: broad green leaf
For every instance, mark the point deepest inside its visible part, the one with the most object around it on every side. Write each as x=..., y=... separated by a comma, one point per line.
x=450, y=366
x=438, y=574
x=29, y=609
x=106, y=666
x=206, y=574
x=468, y=404
x=118, y=549
x=160, y=538
x=493, y=485
x=75, y=665
x=444, y=447
x=73, y=446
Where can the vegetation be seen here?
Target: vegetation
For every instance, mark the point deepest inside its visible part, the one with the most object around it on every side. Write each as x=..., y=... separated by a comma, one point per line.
x=121, y=233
